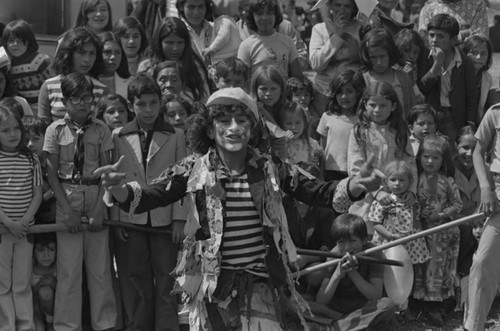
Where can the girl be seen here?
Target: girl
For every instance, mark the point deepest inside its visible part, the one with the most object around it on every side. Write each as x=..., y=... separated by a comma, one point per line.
x=300, y=148
x=267, y=88
x=225, y=172
x=20, y=197
x=95, y=15
x=194, y=13
x=115, y=70
x=335, y=125
x=379, y=54
x=176, y=113
x=113, y=110
x=399, y=218
x=29, y=69
x=478, y=49
x=79, y=52
x=440, y=202
x=381, y=132
x=267, y=46
x=133, y=40
x=414, y=54
x=171, y=42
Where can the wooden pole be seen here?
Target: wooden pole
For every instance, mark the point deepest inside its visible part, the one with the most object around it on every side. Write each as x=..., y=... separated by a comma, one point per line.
x=361, y=258
x=390, y=244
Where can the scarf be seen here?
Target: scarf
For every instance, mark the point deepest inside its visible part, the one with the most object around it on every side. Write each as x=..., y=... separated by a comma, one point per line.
x=79, y=156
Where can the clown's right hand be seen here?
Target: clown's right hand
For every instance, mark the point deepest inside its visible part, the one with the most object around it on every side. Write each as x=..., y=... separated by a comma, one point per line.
x=113, y=180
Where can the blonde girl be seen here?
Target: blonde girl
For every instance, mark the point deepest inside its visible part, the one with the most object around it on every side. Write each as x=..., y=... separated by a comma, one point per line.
x=440, y=203
x=20, y=197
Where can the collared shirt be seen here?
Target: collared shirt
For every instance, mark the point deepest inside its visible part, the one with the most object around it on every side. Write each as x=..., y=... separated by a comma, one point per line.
x=61, y=140
x=202, y=40
x=446, y=79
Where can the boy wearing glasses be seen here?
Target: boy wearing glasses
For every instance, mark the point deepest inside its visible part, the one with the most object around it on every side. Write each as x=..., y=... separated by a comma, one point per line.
x=77, y=145
x=150, y=145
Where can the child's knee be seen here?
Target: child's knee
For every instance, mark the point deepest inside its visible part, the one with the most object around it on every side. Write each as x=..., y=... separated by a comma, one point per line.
x=46, y=294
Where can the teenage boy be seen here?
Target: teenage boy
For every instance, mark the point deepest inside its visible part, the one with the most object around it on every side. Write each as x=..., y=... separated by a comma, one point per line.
x=448, y=81
x=77, y=145
x=149, y=145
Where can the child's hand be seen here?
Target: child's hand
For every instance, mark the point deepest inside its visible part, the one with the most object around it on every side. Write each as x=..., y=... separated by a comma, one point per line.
x=27, y=221
x=288, y=135
x=438, y=55
x=17, y=229
x=433, y=219
x=73, y=220
x=178, y=231
x=489, y=202
x=96, y=218
x=48, y=280
x=384, y=198
x=347, y=264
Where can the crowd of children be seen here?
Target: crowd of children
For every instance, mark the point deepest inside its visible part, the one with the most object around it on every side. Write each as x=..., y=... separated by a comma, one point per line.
x=215, y=155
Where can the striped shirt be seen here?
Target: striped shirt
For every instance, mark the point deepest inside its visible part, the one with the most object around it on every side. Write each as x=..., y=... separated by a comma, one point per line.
x=50, y=105
x=242, y=242
x=18, y=175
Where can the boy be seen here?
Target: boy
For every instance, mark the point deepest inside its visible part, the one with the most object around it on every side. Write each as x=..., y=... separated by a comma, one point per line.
x=231, y=72
x=421, y=122
x=43, y=280
x=485, y=271
x=76, y=145
x=448, y=81
x=354, y=290
x=150, y=145
x=35, y=134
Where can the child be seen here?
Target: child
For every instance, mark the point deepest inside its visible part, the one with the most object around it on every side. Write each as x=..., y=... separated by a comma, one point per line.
x=113, y=110
x=335, y=125
x=267, y=46
x=300, y=90
x=478, y=50
x=35, y=135
x=176, y=113
x=449, y=81
x=399, y=218
x=421, y=122
x=381, y=131
x=470, y=193
x=76, y=145
x=414, y=54
x=353, y=290
x=440, y=202
x=267, y=87
x=133, y=40
x=29, y=69
x=379, y=54
x=115, y=70
x=94, y=15
x=231, y=72
x=225, y=34
x=238, y=173
x=78, y=52
x=146, y=156
x=43, y=280
x=20, y=197
x=300, y=148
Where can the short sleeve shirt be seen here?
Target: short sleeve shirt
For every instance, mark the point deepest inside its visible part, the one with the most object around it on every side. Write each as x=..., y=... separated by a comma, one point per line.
x=61, y=140
x=487, y=133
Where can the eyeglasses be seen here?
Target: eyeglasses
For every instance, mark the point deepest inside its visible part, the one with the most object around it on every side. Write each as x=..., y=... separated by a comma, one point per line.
x=86, y=100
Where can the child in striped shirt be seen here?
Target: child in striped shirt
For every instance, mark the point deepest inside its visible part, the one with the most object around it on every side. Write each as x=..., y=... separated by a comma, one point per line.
x=20, y=196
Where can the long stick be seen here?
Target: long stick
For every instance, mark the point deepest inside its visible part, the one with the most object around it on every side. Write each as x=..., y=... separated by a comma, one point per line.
x=369, y=259
x=396, y=242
